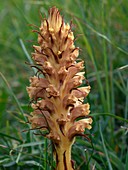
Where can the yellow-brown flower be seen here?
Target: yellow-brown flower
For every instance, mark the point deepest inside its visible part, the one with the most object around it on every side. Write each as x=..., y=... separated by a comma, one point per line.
x=57, y=97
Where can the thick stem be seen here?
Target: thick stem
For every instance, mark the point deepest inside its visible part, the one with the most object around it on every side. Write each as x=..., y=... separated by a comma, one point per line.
x=63, y=156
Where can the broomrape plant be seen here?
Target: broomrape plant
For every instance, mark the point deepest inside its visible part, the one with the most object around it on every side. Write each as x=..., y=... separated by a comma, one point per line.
x=57, y=99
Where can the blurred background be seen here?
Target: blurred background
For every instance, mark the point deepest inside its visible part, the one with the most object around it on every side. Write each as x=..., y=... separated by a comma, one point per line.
x=101, y=30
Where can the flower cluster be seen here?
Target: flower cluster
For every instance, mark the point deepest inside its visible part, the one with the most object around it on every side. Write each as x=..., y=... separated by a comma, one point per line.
x=56, y=95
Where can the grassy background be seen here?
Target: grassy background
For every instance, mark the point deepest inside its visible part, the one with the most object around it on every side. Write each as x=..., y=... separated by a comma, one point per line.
x=102, y=26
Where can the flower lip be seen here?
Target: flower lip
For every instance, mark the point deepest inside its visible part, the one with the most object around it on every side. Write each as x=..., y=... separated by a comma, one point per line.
x=79, y=127
x=52, y=91
x=80, y=111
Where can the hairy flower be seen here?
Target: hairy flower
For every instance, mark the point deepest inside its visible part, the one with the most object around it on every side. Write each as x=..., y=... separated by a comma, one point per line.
x=57, y=99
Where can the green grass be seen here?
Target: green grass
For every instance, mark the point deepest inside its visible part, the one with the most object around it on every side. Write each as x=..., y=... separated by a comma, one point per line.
x=102, y=26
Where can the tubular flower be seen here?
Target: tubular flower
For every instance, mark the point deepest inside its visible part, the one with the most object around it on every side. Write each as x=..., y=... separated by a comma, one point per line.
x=57, y=101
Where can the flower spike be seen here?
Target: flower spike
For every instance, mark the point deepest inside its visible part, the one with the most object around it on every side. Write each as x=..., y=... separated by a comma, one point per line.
x=57, y=99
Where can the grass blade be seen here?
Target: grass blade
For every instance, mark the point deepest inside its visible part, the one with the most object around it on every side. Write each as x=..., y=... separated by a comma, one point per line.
x=126, y=168
x=15, y=98
x=109, y=114
x=105, y=149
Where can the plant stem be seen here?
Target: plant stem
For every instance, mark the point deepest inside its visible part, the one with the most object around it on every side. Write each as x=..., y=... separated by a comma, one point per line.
x=63, y=155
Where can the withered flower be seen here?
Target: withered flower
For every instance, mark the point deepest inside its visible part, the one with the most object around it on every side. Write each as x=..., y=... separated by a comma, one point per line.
x=57, y=101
